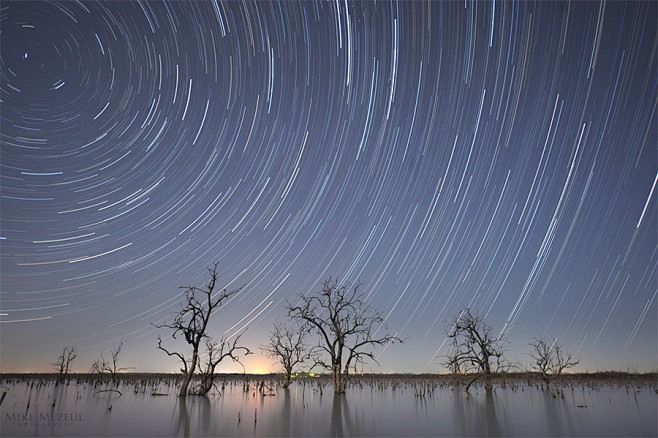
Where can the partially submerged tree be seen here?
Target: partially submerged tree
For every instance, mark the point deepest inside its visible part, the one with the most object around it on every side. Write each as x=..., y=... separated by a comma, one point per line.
x=346, y=326
x=550, y=360
x=287, y=346
x=475, y=349
x=215, y=353
x=192, y=323
x=101, y=365
x=63, y=362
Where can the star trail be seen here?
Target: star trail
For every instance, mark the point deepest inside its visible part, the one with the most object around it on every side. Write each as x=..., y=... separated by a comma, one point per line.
x=497, y=155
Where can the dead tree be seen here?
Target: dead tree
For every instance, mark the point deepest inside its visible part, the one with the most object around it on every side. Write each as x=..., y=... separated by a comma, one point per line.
x=63, y=362
x=346, y=326
x=101, y=365
x=550, y=360
x=286, y=345
x=476, y=350
x=192, y=323
x=215, y=353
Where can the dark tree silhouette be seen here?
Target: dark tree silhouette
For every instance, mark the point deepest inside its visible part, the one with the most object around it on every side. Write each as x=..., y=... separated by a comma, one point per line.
x=346, y=326
x=101, y=365
x=98, y=366
x=215, y=353
x=550, y=360
x=192, y=322
x=475, y=349
x=286, y=345
x=63, y=362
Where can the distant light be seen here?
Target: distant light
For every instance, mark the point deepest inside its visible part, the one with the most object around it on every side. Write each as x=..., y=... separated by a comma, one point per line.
x=25, y=55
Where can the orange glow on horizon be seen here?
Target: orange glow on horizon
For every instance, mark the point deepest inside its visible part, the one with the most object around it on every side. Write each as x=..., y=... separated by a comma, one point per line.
x=258, y=367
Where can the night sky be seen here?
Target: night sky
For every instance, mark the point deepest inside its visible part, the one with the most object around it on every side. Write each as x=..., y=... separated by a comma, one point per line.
x=496, y=155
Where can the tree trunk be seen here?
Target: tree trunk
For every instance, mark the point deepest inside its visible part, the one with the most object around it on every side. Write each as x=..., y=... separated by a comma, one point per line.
x=343, y=383
x=188, y=376
x=468, y=386
x=339, y=387
x=206, y=384
x=336, y=383
x=487, y=376
x=487, y=382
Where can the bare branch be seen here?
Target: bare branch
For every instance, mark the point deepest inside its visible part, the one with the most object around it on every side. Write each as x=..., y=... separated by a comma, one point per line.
x=346, y=326
x=287, y=346
x=63, y=362
x=475, y=348
x=215, y=353
x=191, y=321
x=550, y=360
x=101, y=365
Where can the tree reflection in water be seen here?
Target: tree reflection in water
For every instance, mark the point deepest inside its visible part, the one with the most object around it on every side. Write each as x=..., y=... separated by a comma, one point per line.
x=525, y=410
x=488, y=424
x=182, y=422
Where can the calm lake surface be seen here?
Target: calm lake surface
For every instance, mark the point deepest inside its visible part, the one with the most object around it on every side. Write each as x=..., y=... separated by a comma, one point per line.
x=308, y=408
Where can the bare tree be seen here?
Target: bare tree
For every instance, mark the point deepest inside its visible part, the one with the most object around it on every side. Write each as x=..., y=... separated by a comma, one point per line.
x=286, y=344
x=346, y=326
x=63, y=362
x=192, y=322
x=215, y=353
x=475, y=348
x=550, y=360
x=101, y=365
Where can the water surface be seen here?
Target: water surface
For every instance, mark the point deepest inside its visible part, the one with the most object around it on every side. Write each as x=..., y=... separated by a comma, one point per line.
x=309, y=408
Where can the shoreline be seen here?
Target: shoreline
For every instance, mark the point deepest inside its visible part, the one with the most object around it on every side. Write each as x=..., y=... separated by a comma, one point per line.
x=501, y=379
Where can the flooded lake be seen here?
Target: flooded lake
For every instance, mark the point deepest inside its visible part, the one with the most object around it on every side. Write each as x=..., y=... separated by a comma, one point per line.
x=370, y=407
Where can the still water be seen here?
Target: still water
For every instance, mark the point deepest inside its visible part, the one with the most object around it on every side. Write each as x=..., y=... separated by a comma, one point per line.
x=41, y=408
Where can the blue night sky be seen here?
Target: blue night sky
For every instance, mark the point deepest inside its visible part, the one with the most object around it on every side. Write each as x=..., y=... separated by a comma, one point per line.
x=497, y=155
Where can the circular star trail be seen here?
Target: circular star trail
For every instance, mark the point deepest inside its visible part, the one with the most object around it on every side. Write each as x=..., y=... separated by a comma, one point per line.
x=495, y=155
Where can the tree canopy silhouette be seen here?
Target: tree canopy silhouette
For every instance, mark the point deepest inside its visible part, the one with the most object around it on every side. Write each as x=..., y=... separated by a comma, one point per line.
x=63, y=362
x=286, y=345
x=111, y=366
x=191, y=322
x=550, y=359
x=475, y=348
x=346, y=326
